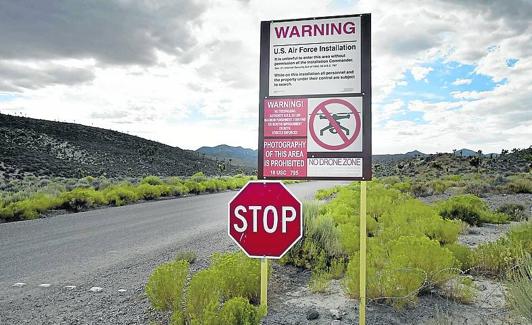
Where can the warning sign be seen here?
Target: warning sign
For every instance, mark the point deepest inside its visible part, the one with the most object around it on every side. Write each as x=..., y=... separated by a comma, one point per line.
x=335, y=124
x=315, y=98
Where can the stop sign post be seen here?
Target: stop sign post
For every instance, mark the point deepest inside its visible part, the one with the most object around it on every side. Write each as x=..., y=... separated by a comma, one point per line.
x=265, y=221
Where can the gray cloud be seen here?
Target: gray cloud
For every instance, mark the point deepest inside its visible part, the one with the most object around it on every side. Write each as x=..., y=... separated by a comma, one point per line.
x=17, y=77
x=112, y=32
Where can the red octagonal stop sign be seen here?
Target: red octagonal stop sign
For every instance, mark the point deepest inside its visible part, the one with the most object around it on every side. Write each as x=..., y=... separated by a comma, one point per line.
x=265, y=219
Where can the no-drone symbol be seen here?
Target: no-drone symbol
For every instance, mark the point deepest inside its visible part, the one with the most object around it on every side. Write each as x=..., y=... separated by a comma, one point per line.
x=335, y=125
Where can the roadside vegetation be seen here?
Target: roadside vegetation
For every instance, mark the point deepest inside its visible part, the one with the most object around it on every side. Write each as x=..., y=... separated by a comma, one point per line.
x=473, y=183
x=225, y=293
x=32, y=197
x=412, y=246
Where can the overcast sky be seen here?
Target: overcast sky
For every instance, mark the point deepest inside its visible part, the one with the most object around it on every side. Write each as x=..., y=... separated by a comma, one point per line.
x=446, y=74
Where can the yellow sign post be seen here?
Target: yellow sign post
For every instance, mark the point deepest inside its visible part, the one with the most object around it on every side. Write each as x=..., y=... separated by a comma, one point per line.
x=264, y=282
x=362, y=307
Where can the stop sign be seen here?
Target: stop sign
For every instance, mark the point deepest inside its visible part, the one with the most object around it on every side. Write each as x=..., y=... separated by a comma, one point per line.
x=265, y=219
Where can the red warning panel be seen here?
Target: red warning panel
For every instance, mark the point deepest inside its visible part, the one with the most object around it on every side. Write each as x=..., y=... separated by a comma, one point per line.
x=285, y=157
x=285, y=117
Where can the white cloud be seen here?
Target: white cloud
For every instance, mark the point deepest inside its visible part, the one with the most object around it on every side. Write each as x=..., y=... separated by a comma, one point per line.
x=460, y=82
x=419, y=73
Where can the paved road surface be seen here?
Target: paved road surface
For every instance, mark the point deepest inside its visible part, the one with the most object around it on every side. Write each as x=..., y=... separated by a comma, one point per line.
x=114, y=249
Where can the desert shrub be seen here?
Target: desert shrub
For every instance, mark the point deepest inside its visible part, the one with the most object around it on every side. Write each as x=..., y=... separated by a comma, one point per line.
x=6, y=213
x=463, y=254
x=120, y=195
x=204, y=296
x=337, y=268
x=439, y=186
x=319, y=281
x=404, y=187
x=321, y=241
x=326, y=193
x=174, y=180
x=521, y=183
x=460, y=289
x=519, y=290
x=198, y=177
x=470, y=209
x=477, y=188
x=497, y=258
x=238, y=275
x=165, y=285
x=421, y=189
x=148, y=192
x=238, y=311
x=229, y=275
x=515, y=212
x=30, y=208
x=415, y=218
x=82, y=198
x=188, y=256
x=396, y=275
x=152, y=180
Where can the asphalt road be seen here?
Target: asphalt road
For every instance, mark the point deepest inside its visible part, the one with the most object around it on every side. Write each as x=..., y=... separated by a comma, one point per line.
x=59, y=259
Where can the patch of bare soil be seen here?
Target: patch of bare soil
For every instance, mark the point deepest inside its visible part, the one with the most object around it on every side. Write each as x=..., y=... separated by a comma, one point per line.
x=291, y=301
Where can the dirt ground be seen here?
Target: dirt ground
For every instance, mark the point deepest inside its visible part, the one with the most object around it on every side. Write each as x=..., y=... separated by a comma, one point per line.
x=291, y=301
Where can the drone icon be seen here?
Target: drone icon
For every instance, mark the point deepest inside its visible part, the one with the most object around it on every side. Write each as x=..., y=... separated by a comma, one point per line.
x=337, y=117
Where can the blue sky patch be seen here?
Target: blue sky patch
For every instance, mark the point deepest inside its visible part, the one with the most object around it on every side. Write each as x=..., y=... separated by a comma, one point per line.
x=438, y=86
x=511, y=62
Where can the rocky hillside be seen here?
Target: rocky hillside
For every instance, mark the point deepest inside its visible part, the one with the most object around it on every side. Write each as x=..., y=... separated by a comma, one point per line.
x=39, y=147
x=440, y=164
x=236, y=155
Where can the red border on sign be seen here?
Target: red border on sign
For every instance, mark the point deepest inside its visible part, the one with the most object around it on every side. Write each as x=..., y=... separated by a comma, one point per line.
x=332, y=121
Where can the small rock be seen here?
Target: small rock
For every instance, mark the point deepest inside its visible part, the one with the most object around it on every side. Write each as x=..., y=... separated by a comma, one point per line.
x=70, y=287
x=19, y=284
x=122, y=290
x=474, y=232
x=482, y=287
x=336, y=322
x=312, y=314
x=95, y=289
x=336, y=314
x=45, y=285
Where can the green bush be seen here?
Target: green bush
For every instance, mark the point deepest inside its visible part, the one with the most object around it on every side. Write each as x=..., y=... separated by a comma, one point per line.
x=121, y=195
x=319, y=281
x=497, y=258
x=238, y=311
x=515, y=212
x=521, y=183
x=152, y=180
x=31, y=208
x=188, y=256
x=82, y=198
x=204, y=296
x=149, y=192
x=519, y=290
x=470, y=209
x=396, y=275
x=238, y=275
x=463, y=254
x=165, y=285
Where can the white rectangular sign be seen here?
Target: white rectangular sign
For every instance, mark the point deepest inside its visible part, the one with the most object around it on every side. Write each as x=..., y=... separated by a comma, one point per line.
x=315, y=57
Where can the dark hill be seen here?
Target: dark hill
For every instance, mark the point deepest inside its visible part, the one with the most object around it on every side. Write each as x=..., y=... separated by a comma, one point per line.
x=43, y=147
x=238, y=155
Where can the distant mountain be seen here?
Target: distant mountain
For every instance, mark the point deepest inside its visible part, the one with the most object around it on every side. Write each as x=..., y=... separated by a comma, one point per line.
x=471, y=153
x=40, y=147
x=398, y=156
x=238, y=155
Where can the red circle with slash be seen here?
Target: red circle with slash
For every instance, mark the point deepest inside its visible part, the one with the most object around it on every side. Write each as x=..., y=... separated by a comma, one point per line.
x=347, y=141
